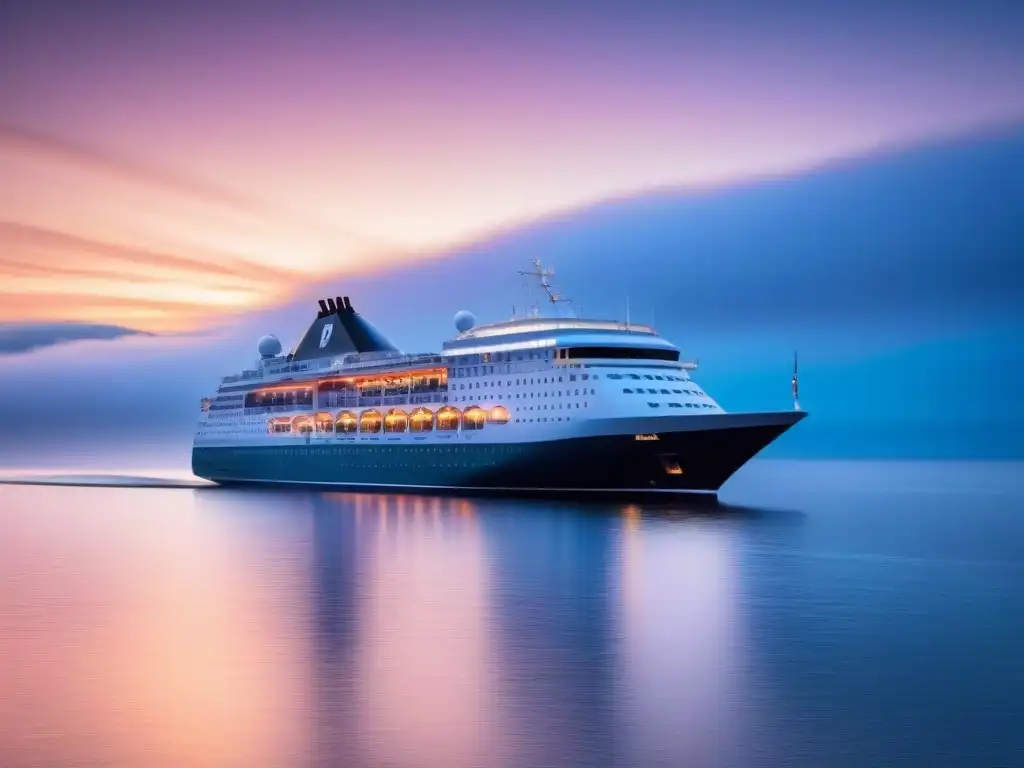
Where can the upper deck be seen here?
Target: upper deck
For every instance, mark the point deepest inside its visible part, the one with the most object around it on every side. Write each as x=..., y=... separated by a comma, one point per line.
x=529, y=325
x=279, y=369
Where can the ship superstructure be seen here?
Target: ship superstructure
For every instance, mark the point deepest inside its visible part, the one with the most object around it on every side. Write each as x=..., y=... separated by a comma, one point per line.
x=531, y=403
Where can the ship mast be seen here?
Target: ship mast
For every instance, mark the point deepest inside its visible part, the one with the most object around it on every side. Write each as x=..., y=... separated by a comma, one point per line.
x=796, y=384
x=554, y=296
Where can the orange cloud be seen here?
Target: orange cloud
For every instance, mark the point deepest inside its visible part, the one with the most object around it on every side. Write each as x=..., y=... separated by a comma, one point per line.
x=52, y=275
x=146, y=314
x=94, y=237
x=46, y=145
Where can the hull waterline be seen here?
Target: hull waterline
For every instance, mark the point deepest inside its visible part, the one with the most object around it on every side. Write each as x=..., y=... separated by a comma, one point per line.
x=665, y=461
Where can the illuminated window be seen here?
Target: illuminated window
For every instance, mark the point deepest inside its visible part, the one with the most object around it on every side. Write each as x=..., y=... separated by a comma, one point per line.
x=474, y=418
x=448, y=419
x=671, y=467
x=499, y=415
x=397, y=420
x=324, y=422
x=370, y=421
x=279, y=425
x=422, y=420
x=346, y=423
x=302, y=424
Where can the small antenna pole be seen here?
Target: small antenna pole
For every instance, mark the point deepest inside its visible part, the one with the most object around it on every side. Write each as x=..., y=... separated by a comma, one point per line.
x=796, y=382
x=627, y=311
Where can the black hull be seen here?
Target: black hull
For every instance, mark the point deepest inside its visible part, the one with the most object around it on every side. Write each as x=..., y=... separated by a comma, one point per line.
x=680, y=461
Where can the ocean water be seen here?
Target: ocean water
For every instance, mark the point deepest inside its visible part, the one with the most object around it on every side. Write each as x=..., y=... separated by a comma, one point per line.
x=822, y=614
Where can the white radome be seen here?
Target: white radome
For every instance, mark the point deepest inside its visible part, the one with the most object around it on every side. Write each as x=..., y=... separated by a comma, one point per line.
x=269, y=346
x=464, y=320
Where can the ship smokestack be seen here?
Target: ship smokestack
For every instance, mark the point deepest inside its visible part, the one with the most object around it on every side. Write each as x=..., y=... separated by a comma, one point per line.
x=339, y=330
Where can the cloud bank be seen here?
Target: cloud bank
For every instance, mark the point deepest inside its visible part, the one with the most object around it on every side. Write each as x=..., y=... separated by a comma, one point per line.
x=896, y=277
x=18, y=338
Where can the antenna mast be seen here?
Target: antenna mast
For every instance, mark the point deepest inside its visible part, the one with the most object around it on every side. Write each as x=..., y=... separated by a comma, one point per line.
x=796, y=383
x=554, y=296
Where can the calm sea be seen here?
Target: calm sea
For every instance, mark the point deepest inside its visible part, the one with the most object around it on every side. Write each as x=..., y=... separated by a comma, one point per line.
x=824, y=614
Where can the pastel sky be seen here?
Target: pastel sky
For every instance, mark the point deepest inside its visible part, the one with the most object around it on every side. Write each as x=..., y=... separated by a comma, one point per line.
x=165, y=163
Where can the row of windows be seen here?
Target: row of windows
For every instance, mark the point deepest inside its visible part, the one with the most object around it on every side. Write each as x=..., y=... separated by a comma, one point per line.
x=620, y=353
x=524, y=382
x=396, y=420
x=648, y=376
x=696, y=392
x=293, y=398
x=682, y=405
x=396, y=385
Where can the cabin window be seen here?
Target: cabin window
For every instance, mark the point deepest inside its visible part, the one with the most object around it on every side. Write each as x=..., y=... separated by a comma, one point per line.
x=346, y=423
x=280, y=425
x=448, y=419
x=302, y=424
x=324, y=422
x=421, y=420
x=370, y=421
x=396, y=420
x=498, y=415
x=474, y=418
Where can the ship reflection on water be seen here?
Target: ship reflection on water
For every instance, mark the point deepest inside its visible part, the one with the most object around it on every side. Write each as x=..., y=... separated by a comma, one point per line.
x=457, y=632
x=246, y=628
x=215, y=628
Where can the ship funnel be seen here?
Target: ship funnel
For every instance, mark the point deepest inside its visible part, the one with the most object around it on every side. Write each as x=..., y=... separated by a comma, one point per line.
x=340, y=330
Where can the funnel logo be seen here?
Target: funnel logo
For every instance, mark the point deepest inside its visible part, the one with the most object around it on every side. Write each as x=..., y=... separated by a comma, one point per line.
x=325, y=334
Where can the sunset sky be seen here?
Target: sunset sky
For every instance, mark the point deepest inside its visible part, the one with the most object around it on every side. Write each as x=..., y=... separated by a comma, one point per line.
x=162, y=164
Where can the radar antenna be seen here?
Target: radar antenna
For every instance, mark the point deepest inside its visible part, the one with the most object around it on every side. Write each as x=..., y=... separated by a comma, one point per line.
x=554, y=296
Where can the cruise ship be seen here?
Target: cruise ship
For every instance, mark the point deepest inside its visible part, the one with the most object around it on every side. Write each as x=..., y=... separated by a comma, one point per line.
x=545, y=402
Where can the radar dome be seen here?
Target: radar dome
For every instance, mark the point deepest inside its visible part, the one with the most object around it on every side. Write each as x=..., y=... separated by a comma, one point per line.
x=464, y=320
x=269, y=346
